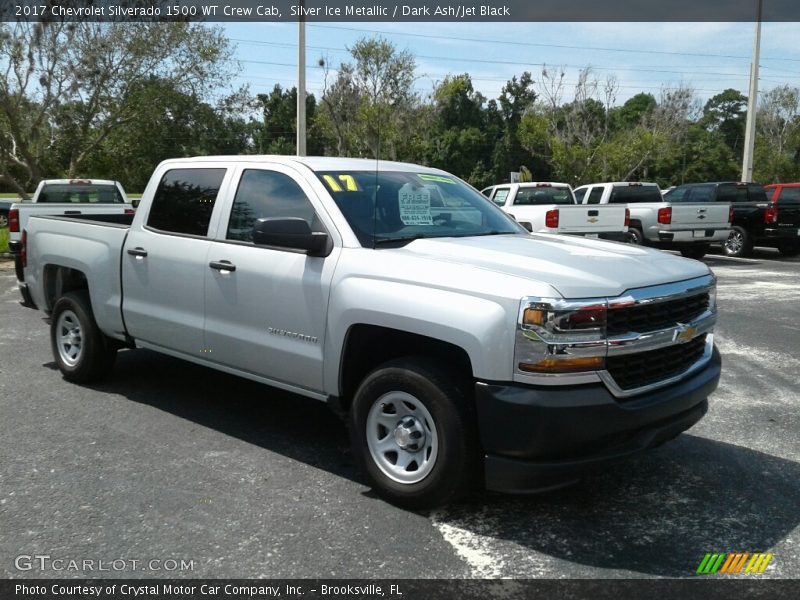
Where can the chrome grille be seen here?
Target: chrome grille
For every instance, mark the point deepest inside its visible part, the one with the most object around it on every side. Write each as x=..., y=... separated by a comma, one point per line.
x=654, y=316
x=637, y=370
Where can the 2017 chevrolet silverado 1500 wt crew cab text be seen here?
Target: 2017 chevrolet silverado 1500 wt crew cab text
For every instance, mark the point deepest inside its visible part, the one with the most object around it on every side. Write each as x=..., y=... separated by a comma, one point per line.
x=461, y=348
x=546, y=207
x=657, y=221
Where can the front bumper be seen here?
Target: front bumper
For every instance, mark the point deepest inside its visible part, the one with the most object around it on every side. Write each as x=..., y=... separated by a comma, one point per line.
x=541, y=437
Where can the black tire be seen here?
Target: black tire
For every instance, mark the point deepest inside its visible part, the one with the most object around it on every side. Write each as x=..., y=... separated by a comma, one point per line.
x=738, y=243
x=696, y=251
x=789, y=249
x=81, y=351
x=635, y=236
x=447, y=459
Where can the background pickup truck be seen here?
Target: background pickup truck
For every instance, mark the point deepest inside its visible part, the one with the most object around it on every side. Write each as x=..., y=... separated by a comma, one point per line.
x=658, y=221
x=761, y=217
x=460, y=349
x=68, y=197
x=545, y=207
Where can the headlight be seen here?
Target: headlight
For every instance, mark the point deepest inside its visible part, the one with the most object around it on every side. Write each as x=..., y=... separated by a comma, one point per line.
x=558, y=336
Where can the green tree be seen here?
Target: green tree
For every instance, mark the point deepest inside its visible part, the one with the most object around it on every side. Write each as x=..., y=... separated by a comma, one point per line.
x=279, y=132
x=80, y=80
x=726, y=113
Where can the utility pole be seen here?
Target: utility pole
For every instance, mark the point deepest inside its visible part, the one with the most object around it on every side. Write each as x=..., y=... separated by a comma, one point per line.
x=301, y=83
x=752, y=101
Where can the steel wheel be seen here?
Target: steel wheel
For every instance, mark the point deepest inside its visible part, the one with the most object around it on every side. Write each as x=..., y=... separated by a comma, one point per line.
x=402, y=438
x=70, y=338
x=3, y=221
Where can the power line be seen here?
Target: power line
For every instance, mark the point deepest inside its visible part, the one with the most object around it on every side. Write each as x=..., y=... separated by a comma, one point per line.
x=642, y=69
x=541, y=45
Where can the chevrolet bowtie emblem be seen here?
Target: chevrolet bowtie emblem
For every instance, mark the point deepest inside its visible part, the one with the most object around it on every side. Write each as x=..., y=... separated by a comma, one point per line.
x=684, y=333
x=593, y=219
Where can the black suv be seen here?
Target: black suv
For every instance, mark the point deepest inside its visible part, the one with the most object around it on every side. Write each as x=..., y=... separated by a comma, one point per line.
x=756, y=221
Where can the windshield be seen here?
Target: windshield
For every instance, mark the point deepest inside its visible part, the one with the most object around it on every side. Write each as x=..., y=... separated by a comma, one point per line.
x=87, y=192
x=397, y=206
x=633, y=194
x=543, y=195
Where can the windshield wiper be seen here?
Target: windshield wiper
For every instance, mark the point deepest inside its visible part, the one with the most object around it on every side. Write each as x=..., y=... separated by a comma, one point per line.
x=409, y=238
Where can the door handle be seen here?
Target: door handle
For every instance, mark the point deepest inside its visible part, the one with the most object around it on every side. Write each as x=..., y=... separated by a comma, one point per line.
x=138, y=252
x=72, y=212
x=222, y=265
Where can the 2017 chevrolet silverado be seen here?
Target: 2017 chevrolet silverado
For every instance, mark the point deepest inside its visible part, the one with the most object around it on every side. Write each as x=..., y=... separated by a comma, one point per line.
x=68, y=197
x=547, y=207
x=663, y=222
x=758, y=220
x=461, y=348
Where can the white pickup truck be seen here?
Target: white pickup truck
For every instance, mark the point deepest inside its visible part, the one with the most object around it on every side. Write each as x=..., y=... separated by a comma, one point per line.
x=655, y=220
x=548, y=207
x=461, y=349
x=68, y=197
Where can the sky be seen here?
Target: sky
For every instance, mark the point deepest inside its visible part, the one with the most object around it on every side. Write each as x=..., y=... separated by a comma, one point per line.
x=644, y=57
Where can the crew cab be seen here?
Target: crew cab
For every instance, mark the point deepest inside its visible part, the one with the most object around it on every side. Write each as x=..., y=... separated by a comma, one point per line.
x=68, y=197
x=461, y=349
x=663, y=221
x=761, y=217
x=548, y=207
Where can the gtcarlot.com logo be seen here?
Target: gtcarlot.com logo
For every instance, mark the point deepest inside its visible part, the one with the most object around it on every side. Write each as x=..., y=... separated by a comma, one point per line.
x=734, y=563
x=45, y=562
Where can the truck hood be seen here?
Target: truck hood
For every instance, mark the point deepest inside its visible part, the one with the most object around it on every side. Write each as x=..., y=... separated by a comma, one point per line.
x=576, y=267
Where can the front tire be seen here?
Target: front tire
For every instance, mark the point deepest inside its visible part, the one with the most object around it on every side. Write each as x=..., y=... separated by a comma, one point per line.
x=81, y=351
x=738, y=243
x=414, y=434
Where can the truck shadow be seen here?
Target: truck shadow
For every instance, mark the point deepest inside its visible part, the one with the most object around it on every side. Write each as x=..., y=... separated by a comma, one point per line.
x=657, y=514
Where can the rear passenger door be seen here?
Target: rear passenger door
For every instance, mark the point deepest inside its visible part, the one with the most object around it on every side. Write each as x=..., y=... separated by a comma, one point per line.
x=266, y=309
x=164, y=263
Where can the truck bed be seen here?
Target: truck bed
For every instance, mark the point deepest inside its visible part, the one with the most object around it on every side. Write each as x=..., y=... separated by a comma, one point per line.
x=95, y=245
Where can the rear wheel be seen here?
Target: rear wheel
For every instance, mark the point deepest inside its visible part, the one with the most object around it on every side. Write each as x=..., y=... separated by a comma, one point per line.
x=81, y=351
x=414, y=434
x=696, y=251
x=738, y=242
x=635, y=236
x=789, y=248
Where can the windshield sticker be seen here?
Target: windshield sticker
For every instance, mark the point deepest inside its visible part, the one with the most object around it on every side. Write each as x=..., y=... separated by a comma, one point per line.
x=342, y=182
x=415, y=205
x=435, y=178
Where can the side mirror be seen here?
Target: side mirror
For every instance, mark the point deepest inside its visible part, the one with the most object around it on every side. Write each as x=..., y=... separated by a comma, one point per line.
x=135, y=202
x=290, y=232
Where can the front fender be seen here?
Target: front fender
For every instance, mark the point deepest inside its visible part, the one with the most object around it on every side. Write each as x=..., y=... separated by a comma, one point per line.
x=482, y=327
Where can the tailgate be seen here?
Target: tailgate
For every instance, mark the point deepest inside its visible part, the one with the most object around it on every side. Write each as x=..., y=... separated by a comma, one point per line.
x=789, y=215
x=700, y=215
x=592, y=218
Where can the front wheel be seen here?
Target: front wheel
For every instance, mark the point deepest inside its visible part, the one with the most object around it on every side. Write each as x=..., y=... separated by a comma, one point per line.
x=414, y=434
x=81, y=351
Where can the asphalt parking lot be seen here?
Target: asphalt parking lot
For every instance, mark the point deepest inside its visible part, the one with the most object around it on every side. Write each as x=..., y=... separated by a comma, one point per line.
x=170, y=461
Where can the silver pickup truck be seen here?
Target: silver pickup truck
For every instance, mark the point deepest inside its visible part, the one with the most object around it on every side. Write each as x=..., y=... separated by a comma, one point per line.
x=461, y=349
x=68, y=197
x=690, y=227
